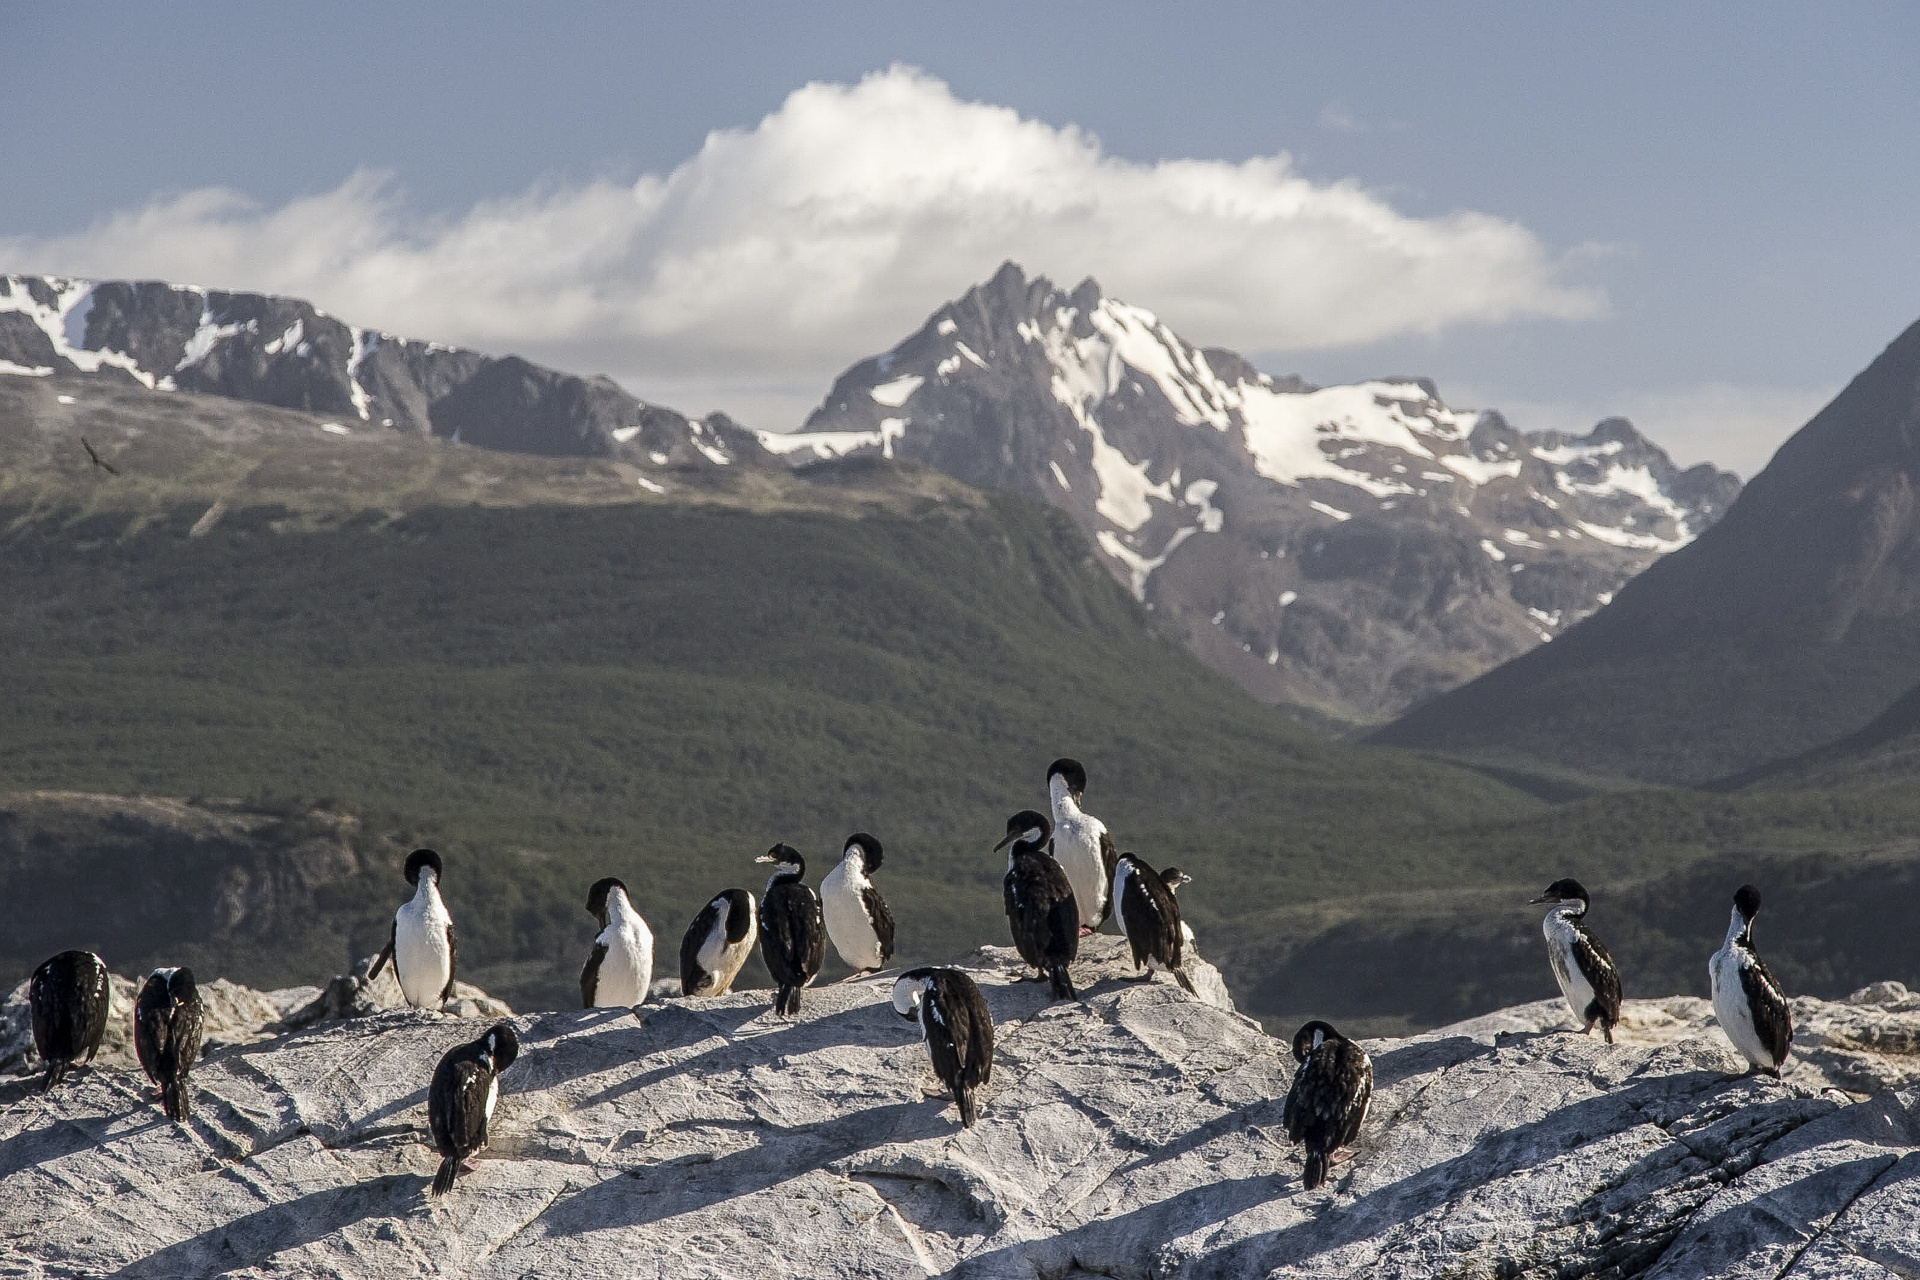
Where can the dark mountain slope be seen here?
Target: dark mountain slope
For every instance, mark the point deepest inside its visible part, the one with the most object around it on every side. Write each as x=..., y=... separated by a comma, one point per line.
x=1793, y=621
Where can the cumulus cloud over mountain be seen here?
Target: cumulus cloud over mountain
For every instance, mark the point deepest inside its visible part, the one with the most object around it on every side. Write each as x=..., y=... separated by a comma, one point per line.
x=776, y=252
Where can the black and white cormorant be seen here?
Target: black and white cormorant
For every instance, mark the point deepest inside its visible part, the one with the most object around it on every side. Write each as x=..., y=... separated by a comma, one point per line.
x=1328, y=1101
x=793, y=932
x=1749, y=1003
x=957, y=1028
x=1041, y=908
x=166, y=1036
x=718, y=942
x=421, y=944
x=1150, y=917
x=1581, y=964
x=620, y=969
x=1081, y=844
x=71, y=998
x=857, y=917
x=1173, y=878
x=460, y=1101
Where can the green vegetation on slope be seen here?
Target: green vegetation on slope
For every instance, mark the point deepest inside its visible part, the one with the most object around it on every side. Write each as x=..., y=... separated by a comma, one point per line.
x=661, y=691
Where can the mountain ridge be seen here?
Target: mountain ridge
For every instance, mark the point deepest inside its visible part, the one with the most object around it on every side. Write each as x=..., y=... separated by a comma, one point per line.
x=1353, y=549
x=1791, y=623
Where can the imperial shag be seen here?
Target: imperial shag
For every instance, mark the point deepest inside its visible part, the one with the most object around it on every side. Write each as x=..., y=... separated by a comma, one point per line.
x=620, y=969
x=421, y=944
x=857, y=917
x=718, y=942
x=166, y=1036
x=956, y=1026
x=1080, y=843
x=1041, y=908
x=460, y=1101
x=1581, y=964
x=1749, y=1003
x=71, y=998
x=1328, y=1101
x=1150, y=917
x=793, y=934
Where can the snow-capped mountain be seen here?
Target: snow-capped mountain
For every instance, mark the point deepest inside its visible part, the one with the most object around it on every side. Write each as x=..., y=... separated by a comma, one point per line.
x=285, y=352
x=1350, y=548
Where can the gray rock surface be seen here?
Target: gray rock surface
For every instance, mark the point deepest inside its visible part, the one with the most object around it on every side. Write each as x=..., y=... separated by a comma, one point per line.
x=1134, y=1133
x=235, y=1015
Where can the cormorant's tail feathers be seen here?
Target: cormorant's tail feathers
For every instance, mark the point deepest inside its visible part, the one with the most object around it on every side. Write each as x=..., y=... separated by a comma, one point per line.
x=1186, y=983
x=56, y=1070
x=786, y=1001
x=177, y=1100
x=1316, y=1173
x=443, y=1180
x=1062, y=983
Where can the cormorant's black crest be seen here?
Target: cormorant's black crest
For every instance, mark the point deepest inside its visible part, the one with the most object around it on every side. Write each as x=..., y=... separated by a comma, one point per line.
x=870, y=852
x=1304, y=1042
x=503, y=1046
x=422, y=858
x=1072, y=771
x=1747, y=899
x=1029, y=828
x=1563, y=891
x=598, y=895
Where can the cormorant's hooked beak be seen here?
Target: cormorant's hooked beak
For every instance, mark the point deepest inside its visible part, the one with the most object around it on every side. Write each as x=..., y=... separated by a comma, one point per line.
x=1545, y=897
x=1010, y=837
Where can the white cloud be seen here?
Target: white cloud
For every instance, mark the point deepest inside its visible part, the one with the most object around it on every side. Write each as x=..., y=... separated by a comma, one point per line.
x=779, y=254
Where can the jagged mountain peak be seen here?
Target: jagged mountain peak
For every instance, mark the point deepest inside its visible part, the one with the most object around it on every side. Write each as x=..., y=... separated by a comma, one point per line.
x=1277, y=519
x=290, y=353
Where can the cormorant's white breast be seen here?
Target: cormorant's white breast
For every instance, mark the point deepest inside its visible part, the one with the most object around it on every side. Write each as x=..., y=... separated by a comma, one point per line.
x=858, y=920
x=1080, y=843
x=1581, y=964
x=620, y=968
x=1749, y=1003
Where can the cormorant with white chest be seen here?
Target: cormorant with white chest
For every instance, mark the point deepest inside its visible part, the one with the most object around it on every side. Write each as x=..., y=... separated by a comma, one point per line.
x=1081, y=844
x=71, y=998
x=1328, y=1101
x=166, y=1036
x=793, y=933
x=460, y=1101
x=1150, y=917
x=421, y=943
x=1747, y=1000
x=857, y=917
x=1581, y=965
x=620, y=968
x=957, y=1027
x=718, y=942
x=1041, y=908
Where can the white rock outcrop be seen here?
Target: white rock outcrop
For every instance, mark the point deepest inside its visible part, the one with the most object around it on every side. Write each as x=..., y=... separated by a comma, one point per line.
x=1134, y=1133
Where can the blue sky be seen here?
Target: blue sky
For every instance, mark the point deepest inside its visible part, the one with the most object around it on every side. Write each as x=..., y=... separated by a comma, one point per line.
x=1701, y=216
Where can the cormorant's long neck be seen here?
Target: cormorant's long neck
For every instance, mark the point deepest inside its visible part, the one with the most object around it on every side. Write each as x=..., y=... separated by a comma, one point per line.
x=1739, y=930
x=427, y=892
x=782, y=877
x=1571, y=910
x=1065, y=807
